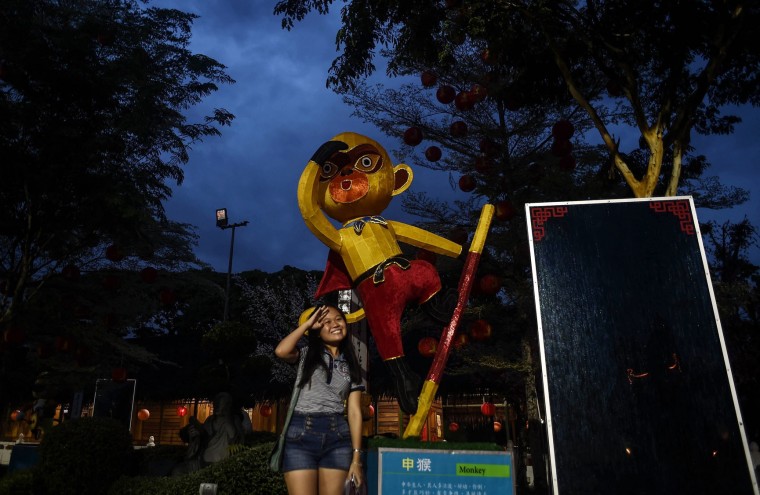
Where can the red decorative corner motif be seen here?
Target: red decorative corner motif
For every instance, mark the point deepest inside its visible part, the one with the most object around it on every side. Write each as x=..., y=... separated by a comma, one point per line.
x=539, y=216
x=679, y=208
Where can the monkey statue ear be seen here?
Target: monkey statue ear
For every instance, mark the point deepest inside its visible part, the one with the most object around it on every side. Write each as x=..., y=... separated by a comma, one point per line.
x=403, y=176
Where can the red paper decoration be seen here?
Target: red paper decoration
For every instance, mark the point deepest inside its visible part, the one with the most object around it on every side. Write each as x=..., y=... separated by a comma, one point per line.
x=467, y=183
x=497, y=426
x=563, y=130
x=413, y=136
x=181, y=411
x=427, y=346
x=371, y=411
x=504, y=210
x=488, y=409
x=428, y=78
x=265, y=410
x=148, y=274
x=119, y=375
x=113, y=253
x=453, y=426
x=478, y=92
x=433, y=153
x=480, y=330
x=464, y=101
x=143, y=414
x=489, y=284
x=445, y=94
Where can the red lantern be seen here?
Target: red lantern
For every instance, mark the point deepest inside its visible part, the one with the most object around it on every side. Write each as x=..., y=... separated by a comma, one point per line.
x=371, y=411
x=119, y=375
x=489, y=284
x=453, y=426
x=70, y=272
x=497, y=426
x=488, y=409
x=17, y=415
x=148, y=274
x=445, y=94
x=428, y=78
x=484, y=165
x=480, y=330
x=458, y=129
x=427, y=346
x=461, y=340
x=13, y=335
x=265, y=410
x=413, y=136
x=563, y=130
x=181, y=411
x=433, y=153
x=478, y=92
x=113, y=253
x=143, y=414
x=561, y=147
x=467, y=183
x=464, y=101
x=504, y=210
x=167, y=297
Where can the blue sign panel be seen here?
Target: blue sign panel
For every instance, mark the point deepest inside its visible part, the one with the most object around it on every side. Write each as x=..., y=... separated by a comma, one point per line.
x=432, y=472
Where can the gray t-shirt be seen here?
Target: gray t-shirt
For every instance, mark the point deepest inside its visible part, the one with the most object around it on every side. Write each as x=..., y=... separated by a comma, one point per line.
x=327, y=390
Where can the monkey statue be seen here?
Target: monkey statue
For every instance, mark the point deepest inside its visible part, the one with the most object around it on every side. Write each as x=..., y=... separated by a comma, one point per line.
x=351, y=180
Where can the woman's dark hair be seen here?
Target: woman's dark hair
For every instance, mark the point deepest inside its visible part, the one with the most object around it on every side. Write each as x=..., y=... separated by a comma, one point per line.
x=314, y=358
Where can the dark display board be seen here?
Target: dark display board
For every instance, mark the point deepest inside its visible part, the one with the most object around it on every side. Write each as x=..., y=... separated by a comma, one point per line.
x=114, y=400
x=638, y=390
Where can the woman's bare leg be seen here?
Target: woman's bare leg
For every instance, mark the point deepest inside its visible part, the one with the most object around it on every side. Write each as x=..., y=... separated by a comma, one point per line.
x=302, y=482
x=331, y=481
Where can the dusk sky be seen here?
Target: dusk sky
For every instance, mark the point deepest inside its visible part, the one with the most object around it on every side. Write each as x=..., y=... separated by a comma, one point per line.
x=284, y=112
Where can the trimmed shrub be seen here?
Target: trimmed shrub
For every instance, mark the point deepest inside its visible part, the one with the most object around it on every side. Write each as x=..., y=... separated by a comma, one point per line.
x=247, y=471
x=17, y=483
x=83, y=457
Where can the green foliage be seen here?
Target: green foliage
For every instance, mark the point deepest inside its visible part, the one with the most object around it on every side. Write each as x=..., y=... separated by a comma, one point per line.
x=83, y=456
x=17, y=482
x=246, y=471
x=230, y=340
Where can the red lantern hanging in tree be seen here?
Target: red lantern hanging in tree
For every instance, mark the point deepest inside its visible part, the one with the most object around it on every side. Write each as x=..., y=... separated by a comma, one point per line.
x=484, y=165
x=148, y=274
x=561, y=147
x=488, y=409
x=428, y=78
x=119, y=375
x=563, y=130
x=113, y=253
x=453, y=426
x=478, y=92
x=445, y=94
x=464, y=101
x=427, y=346
x=458, y=128
x=181, y=411
x=413, y=136
x=467, y=183
x=265, y=410
x=489, y=284
x=143, y=414
x=480, y=330
x=433, y=153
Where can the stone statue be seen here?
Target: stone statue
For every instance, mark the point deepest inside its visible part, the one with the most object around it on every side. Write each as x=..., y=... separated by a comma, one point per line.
x=209, y=442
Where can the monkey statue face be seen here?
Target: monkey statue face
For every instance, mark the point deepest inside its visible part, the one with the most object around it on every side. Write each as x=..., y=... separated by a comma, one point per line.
x=360, y=180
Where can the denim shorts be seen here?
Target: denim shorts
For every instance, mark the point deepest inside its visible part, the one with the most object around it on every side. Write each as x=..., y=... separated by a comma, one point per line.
x=314, y=441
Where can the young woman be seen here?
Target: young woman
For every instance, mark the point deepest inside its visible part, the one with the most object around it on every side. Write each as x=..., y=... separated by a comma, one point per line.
x=322, y=450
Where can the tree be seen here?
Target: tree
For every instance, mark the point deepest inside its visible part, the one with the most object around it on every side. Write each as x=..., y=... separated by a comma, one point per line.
x=666, y=69
x=92, y=94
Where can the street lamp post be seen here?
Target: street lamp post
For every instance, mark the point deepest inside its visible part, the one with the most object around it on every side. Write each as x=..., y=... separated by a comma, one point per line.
x=223, y=223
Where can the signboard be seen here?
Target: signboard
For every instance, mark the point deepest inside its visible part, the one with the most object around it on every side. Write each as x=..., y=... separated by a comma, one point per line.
x=638, y=390
x=114, y=400
x=433, y=472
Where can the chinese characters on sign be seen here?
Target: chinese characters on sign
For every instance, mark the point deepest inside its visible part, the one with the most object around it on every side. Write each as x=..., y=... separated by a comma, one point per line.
x=444, y=472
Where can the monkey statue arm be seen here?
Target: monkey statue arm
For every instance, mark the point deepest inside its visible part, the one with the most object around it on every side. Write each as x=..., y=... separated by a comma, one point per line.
x=312, y=214
x=421, y=238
